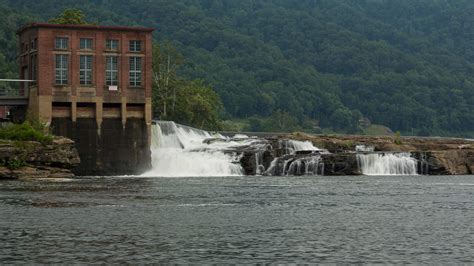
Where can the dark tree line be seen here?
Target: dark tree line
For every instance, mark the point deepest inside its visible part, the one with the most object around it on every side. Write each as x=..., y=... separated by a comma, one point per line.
x=404, y=64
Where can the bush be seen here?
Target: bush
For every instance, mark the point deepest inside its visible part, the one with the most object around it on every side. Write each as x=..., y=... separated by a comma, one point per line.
x=27, y=131
x=398, y=138
x=13, y=164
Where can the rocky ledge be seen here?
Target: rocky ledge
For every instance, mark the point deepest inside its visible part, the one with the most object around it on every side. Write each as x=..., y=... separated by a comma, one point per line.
x=31, y=159
x=344, y=154
x=438, y=156
x=341, y=143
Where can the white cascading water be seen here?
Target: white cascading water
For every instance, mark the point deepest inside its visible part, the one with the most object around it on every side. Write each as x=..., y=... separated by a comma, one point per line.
x=387, y=164
x=296, y=145
x=180, y=151
x=306, y=166
x=309, y=164
x=364, y=148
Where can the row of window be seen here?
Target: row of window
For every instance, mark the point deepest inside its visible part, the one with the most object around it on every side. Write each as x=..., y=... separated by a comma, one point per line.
x=86, y=70
x=62, y=43
x=25, y=48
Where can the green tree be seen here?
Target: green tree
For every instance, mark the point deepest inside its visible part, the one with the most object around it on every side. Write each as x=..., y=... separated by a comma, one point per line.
x=281, y=121
x=71, y=16
x=166, y=60
x=197, y=105
x=404, y=64
x=191, y=103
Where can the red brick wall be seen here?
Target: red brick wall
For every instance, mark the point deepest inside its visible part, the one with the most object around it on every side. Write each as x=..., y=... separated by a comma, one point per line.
x=3, y=112
x=25, y=55
x=46, y=57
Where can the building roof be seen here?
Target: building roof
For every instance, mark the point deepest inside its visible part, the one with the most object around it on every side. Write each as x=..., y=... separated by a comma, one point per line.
x=82, y=27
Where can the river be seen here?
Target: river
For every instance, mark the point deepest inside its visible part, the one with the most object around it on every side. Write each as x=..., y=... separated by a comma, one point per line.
x=352, y=219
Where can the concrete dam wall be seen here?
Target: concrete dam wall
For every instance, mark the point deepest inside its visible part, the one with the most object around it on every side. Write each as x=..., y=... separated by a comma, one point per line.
x=109, y=150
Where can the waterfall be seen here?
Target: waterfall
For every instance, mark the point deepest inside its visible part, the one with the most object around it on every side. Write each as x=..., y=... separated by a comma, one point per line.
x=387, y=164
x=306, y=166
x=289, y=165
x=300, y=158
x=423, y=164
x=296, y=145
x=178, y=150
x=260, y=168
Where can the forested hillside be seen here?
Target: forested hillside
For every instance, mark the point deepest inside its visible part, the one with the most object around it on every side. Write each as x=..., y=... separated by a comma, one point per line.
x=302, y=64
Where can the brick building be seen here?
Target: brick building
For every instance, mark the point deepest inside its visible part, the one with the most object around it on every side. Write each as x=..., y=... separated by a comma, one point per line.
x=93, y=84
x=3, y=112
x=87, y=71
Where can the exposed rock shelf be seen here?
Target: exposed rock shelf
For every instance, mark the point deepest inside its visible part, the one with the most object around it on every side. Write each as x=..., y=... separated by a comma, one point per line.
x=30, y=159
x=435, y=156
x=183, y=151
x=339, y=143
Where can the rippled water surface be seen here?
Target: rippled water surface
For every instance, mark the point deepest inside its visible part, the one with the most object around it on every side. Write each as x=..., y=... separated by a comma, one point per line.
x=238, y=220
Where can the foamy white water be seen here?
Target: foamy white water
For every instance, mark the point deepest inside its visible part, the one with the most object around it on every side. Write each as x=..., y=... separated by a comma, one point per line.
x=181, y=151
x=387, y=164
x=296, y=145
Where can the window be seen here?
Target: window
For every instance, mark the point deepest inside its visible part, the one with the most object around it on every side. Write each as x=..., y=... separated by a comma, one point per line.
x=62, y=69
x=33, y=67
x=85, y=44
x=85, y=69
x=61, y=43
x=33, y=44
x=111, y=45
x=111, y=70
x=135, y=46
x=135, y=71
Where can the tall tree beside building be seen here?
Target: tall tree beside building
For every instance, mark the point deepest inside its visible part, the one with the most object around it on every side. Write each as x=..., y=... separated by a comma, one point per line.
x=174, y=98
x=166, y=61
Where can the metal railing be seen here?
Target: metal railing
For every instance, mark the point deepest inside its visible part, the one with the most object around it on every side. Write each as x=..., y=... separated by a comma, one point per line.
x=14, y=91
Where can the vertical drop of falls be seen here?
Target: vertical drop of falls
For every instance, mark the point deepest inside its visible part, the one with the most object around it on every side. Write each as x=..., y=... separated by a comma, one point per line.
x=301, y=158
x=179, y=150
x=387, y=164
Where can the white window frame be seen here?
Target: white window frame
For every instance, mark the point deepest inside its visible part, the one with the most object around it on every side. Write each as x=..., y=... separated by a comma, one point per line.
x=61, y=69
x=135, y=46
x=85, y=69
x=111, y=70
x=135, y=72
x=85, y=44
x=61, y=43
x=112, y=44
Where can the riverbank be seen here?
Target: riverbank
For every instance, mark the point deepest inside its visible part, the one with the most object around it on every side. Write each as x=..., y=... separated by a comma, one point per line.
x=33, y=159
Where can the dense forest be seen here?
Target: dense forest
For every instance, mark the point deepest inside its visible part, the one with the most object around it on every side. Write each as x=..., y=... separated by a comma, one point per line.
x=304, y=64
